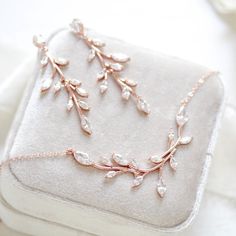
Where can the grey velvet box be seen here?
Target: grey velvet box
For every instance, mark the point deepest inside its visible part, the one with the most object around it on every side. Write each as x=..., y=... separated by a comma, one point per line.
x=78, y=198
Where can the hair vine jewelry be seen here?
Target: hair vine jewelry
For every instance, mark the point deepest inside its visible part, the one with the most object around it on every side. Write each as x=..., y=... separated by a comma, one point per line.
x=117, y=164
x=112, y=65
x=72, y=86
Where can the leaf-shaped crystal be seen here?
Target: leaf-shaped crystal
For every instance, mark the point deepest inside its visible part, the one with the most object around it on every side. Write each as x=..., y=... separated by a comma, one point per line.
x=46, y=84
x=181, y=119
x=101, y=75
x=137, y=181
x=133, y=164
x=44, y=60
x=143, y=106
x=116, y=66
x=125, y=93
x=70, y=104
x=186, y=140
x=77, y=26
x=75, y=82
x=120, y=160
x=173, y=163
x=83, y=158
x=106, y=161
x=61, y=61
x=82, y=92
x=85, y=125
x=84, y=105
x=57, y=87
x=103, y=87
x=130, y=82
x=110, y=174
x=156, y=159
x=120, y=57
x=98, y=43
x=161, y=188
x=92, y=54
x=39, y=41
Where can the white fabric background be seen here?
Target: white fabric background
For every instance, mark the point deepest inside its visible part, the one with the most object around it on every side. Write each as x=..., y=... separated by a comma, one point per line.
x=186, y=28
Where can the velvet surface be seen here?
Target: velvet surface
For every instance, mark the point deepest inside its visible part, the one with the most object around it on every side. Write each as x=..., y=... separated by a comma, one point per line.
x=118, y=127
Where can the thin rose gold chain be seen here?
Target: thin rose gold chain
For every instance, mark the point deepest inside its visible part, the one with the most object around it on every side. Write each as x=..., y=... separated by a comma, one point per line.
x=70, y=152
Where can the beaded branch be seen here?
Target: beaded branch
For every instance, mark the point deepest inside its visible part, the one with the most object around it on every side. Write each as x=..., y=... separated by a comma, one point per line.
x=76, y=93
x=117, y=164
x=111, y=66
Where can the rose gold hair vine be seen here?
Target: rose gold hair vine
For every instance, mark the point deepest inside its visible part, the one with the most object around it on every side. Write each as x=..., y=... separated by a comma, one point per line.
x=112, y=65
x=72, y=86
x=117, y=164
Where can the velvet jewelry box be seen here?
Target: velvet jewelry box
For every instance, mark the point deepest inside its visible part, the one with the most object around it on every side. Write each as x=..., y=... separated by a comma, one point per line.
x=59, y=197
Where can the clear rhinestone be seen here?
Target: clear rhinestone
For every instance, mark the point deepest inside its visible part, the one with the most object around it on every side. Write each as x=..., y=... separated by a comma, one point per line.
x=84, y=105
x=57, y=87
x=101, y=75
x=126, y=93
x=120, y=160
x=91, y=55
x=106, y=161
x=44, y=61
x=186, y=140
x=83, y=158
x=77, y=26
x=173, y=163
x=181, y=119
x=75, y=82
x=161, y=188
x=103, y=86
x=39, y=41
x=116, y=66
x=61, y=61
x=110, y=174
x=156, y=159
x=120, y=57
x=130, y=82
x=85, y=125
x=137, y=181
x=143, y=106
x=70, y=104
x=82, y=92
x=98, y=43
x=46, y=84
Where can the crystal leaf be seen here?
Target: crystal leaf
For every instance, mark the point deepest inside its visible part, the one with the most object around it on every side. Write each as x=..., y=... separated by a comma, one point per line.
x=161, y=188
x=120, y=160
x=181, y=119
x=130, y=82
x=77, y=26
x=156, y=159
x=126, y=93
x=133, y=164
x=171, y=135
x=75, y=82
x=103, y=87
x=106, y=161
x=82, y=92
x=137, y=181
x=57, y=87
x=186, y=140
x=70, y=104
x=116, y=66
x=61, y=61
x=84, y=105
x=173, y=163
x=85, y=125
x=83, y=158
x=143, y=106
x=44, y=61
x=91, y=55
x=110, y=174
x=101, y=75
x=98, y=43
x=120, y=57
x=46, y=84
x=39, y=41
